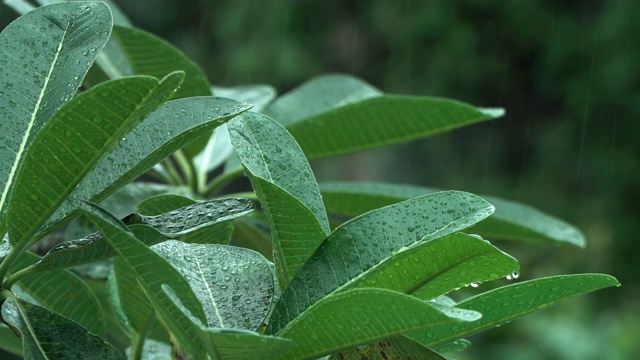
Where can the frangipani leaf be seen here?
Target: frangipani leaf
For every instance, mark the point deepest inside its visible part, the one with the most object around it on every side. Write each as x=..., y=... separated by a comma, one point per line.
x=360, y=316
x=9, y=341
x=435, y=267
x=337, y=114
x=510, y=302
x=286, y=187
x=362, y=244
x=64, y=293
x=160, y=204
x=152, y=272
x=47, y=335
x=159, y=135
x=73, y=141
x=398, y=347
x=511, y=220
x=150, y=55
x=232, y=344
x=260, y=95
x=153, y=350
x=173, y=224
x=234, y=285
x=44, y=55
x=134, y=304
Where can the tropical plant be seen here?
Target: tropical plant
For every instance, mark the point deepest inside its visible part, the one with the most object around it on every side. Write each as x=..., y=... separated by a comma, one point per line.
x=89, y=104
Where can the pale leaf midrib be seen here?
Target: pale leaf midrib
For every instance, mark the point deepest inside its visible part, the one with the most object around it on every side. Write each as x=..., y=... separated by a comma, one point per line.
x=27, y=133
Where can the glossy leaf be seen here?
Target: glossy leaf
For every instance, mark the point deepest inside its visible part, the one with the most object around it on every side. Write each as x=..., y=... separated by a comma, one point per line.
x=152, y=272
x=150, y=55
x=172, y=224
x=64, y=293
x=47, y=335
x=441, y=265
x=20, y=6
x=457, y=345
x=511, y=220
x=35, y=78
x=234, y=285
x=159, y=135
x=73, y=141
x=259, y=95
x=361, y=316
x=286, y=187
x=510, y=302
x=232, y=344
x=398, y=347
x=336, y=114
x=361, y=245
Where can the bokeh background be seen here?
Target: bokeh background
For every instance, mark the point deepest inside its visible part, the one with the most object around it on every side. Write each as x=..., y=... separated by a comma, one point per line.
x=568, y=74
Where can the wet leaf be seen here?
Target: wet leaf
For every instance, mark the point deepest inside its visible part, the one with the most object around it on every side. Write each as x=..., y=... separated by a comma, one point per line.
x=362, y=244
x=510, y=302
x=232, y=344
x=336, y=114
x=510, y=221
x=398, y=347
x=259, y=95
x=439, y=266
x=73, y=141
x=234, y=285
x=152, y=271
x=64, y=293
x=361, y=316
x=160, y=204
x=153, y=350
x=44, y=55
x=47, y=335
x=457, y=345
x=159, y=135
x=286, y=187
x=150, y=55
x=173, y=224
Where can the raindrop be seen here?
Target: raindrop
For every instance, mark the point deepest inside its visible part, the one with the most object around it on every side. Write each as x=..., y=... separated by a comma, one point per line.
x=515, y=275
x=474, y=284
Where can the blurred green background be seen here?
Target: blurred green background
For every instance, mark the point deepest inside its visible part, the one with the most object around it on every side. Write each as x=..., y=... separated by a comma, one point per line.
x=568, y=74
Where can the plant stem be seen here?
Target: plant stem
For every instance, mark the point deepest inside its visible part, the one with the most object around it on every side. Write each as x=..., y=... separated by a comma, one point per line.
x=137, y=339
x=13, y=278
x=188, y=170
x=221, y=181
x=10, y=259
x=172, y=173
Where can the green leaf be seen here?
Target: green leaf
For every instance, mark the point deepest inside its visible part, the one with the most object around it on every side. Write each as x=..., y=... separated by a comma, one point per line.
x=286, y=187
x=64, y=293
x=234, y=285
x=232, y=344
x=335, y=114
x=44, y=55
x=73, y=141
x=152, y=272
x=153, y=350
x=118, y=16
x=9, y=341
x=174, y=224
x=510, y=302
x=435, y=267
x=362, y=244
x=510, y=221
x=115, y=303
x=216, y=152
x=259, y=95
x=20, y=6
x=159, y=135
x=133, y=301
x=361, y=316
x=151, y=55
x=398, y=347
x=457, y=345
x=160, y=204
x=47, y=335
x=253, y=234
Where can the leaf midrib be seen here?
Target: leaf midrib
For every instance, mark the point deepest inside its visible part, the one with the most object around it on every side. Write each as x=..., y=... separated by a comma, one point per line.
x=25, y=138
